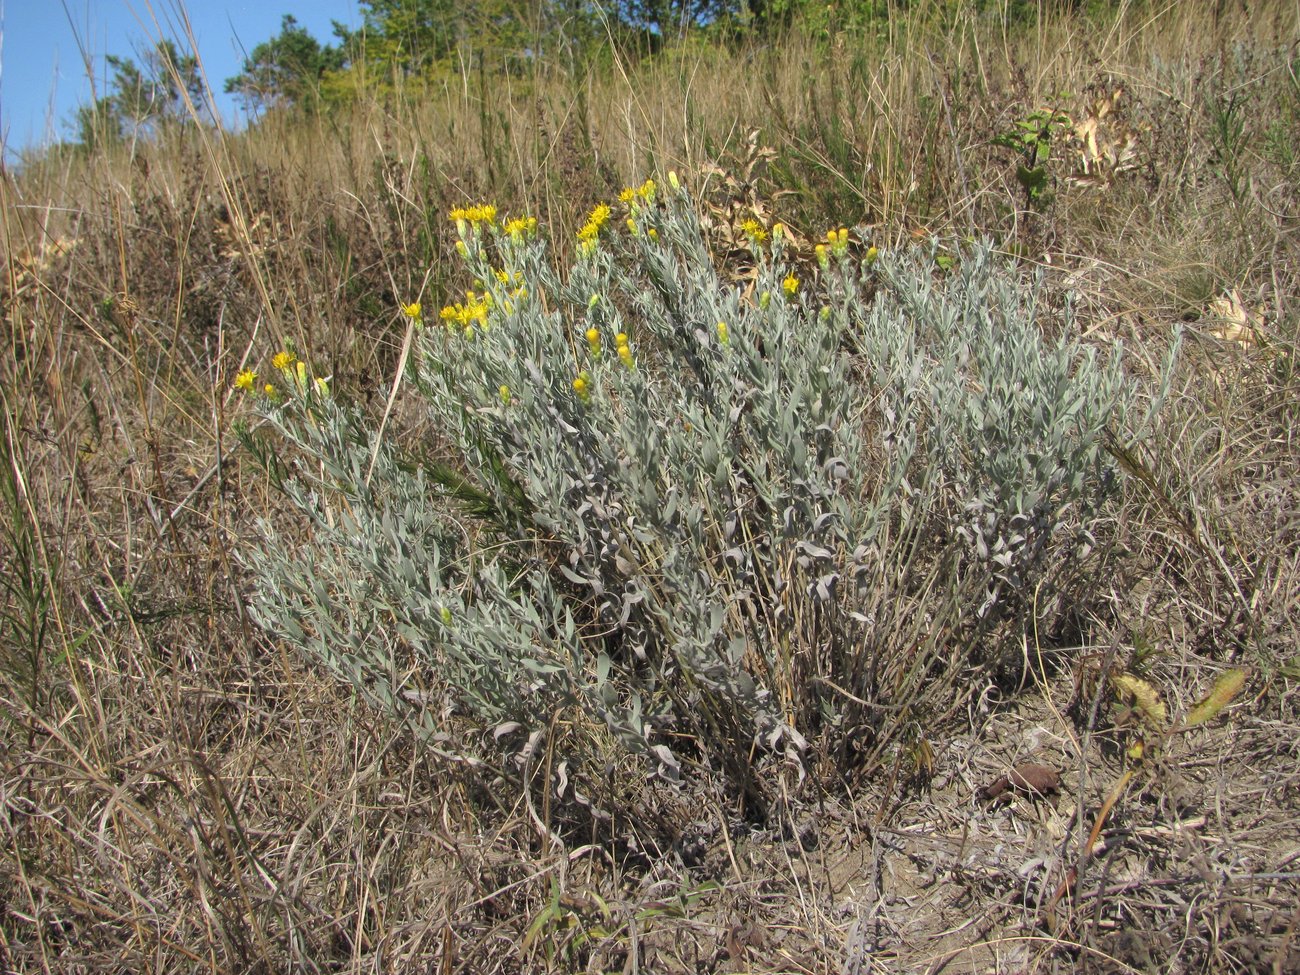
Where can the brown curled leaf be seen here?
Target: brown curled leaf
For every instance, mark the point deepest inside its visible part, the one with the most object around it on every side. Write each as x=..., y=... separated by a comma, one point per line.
x=1028, y=778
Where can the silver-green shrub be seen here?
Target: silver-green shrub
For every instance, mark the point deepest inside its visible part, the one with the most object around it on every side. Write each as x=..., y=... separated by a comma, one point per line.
x=716, y=521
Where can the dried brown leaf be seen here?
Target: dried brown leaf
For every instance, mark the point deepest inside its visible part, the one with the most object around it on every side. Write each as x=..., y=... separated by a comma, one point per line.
x=1228, y=685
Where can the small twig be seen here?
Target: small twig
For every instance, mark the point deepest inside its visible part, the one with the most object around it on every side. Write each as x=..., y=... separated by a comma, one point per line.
x=392, y=397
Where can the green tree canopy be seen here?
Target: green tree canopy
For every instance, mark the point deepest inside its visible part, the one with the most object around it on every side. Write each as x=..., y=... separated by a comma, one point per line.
x=164, y=88
x=287, y=69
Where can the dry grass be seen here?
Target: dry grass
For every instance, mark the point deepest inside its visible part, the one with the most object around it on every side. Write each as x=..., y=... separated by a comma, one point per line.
x=177, y=794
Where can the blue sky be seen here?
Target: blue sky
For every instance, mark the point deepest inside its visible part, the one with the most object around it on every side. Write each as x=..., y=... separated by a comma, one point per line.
x=43, y=77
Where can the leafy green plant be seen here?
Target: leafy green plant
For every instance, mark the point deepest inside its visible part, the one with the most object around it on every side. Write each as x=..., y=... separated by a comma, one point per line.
x=570, y=929
x=711, y=525
x=1031, y=138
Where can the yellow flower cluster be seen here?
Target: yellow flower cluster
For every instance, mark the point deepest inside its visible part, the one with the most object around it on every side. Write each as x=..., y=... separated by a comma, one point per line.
x=593, y=342
x=474, y=309
x=624, y=350
x=506, y=278
x=582, y=386
x=520, y=227
x=723, y=336
x=591, y=229
x=295, y=375
x=414, y=312
x=790, y=285
x=644, y=193
x=479, y=213
x=754, y=231
x=837, y=243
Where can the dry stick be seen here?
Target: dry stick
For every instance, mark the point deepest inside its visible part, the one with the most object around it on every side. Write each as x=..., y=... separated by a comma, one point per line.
x=1050, y=918
x=1074, y=873
x=726, y=839
x=392, y=397
x=956, y=153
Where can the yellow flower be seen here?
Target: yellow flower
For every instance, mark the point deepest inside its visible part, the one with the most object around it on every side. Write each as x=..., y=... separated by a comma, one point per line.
x=872, y=254
x=479, y=213
x=627, y=195
x=790, y=284
x=723, y=337
x=631, y=226
x=754, y=231
x=283, y=360
x=624, y=350
x=412, y=311
x=475, y=309
x=591, y=229
x=520, y=227
x=245, y=380
x=271, y=392
x=582, y=386
x=822, y=260
x=593, y=342
x=838, y=241
x=461, y=249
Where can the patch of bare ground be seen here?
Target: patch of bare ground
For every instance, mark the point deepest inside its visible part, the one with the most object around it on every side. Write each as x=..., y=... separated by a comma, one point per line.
x=1187, y=862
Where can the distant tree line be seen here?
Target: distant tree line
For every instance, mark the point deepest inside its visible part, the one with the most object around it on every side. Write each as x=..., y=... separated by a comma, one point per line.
x=164, y=88
x=413, y=40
